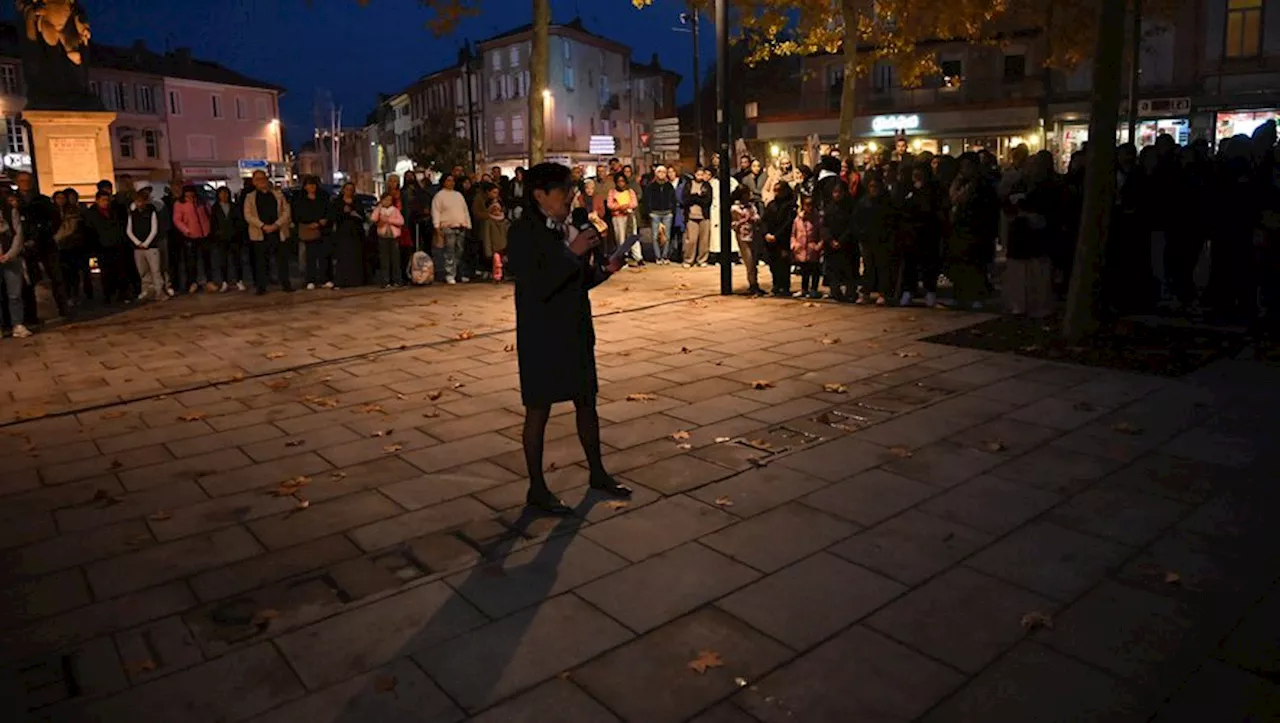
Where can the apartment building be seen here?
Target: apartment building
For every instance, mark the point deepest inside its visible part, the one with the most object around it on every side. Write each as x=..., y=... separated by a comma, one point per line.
x=653, y=96
x=452, y=96
x=139, y=136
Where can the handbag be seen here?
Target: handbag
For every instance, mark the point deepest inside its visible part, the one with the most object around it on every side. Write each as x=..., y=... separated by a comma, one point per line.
x=306, y=233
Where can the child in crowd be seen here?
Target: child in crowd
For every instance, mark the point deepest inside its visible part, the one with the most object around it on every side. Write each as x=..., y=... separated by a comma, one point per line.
x=806, y=249
x=389, y=221
x=745, y=217
x=494, y=230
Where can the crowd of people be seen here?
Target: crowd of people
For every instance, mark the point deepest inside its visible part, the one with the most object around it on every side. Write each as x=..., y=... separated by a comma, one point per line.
x=883, y=229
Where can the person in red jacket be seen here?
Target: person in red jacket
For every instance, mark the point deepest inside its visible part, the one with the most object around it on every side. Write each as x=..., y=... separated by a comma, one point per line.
x=191, y=218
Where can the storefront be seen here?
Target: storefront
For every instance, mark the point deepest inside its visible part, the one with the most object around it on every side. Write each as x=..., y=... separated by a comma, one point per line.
x=1241, y=122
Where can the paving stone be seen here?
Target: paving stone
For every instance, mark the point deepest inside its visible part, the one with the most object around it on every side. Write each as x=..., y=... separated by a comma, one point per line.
x=519, y=651
x=642, y=455
x=644, y=429
x=91, y=669
x=131, y=505
x=942, y=464
x=661, y=588
x=426, y=490
x=1221, y=692
x=1117, y=514
x=912, y=546
x=169, y=433
x=1033, y=682
x=703, y=389
x=569, y=703
x=678, y=474
x=58, y=553
x=169, y=561
x=1255, y=644
x=452, y=454
x=264, y=474
x=217, y=513
x=724, y=713
x=812, y=599
x=1051, y=560
x=270, y=567
x=777, y=538
x=836, y=460
x=239, y=437
x=271, y=414
x=370, y=636
x=758, y=490
x=657, y=527
x=282, y=445
x=870, y=497
x=442, y=552
x=534, y=574
x=990, y=504
x=649, y=679
x=449, y=430
x=1216, y=581
x=187, y=468
x=322, y=519
x=232, y=687
x=58, y=474
x=157, y=649
x=1206, y=444
x=19, y=480
x=858, y=675
x=34, y=598
x=1017, y=390
x=377, y=473
x=401, y=527
x=1059, y=413
x=367, y=449
x=397, y=693
x=1015, y=437
x=1178, y=479
x=512, y=494
x=961, y=617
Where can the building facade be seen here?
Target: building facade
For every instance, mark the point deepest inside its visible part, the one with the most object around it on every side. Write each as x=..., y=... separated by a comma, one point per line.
x=139, y=136
x=653, y=97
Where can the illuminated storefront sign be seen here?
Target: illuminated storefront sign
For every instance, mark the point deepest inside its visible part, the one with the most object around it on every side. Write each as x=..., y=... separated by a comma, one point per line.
x=891, y=123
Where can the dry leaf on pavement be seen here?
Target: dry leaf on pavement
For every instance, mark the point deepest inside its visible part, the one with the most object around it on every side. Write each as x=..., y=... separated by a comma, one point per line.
x=140, y=666
x=641, y=397
x=138, y=540
x=458, y=385
x=237, y=377
x=277, y=384
x=685, y=350
x=835, y=388
x=385, y=684
x=431, y=414
x=372, y=409
x=382, y=432
x=159, y=516
x=112, y=415
x=116, y=464
x=1172, y=578
x=275, y=355
x=264, y=616
x=722, y=440
x=295, y=443
x=761, y=384
x=810, y=305
x=900, y=452
x=685, y=447
x=829, y=340
x=617, y=504
x=724, y=501
x=291, y=486
x=994, y=445
x=706, y=660
x=107, y=497
x=907, y=354
x=392, y=448
x=191, y=417
x=564, y=675
x=338, y=475
x=680, y=436
x=434, y=395
x=466, y=334
x=1035, y=620
x=303, y=503
x=1126, y=428
x=509, y=348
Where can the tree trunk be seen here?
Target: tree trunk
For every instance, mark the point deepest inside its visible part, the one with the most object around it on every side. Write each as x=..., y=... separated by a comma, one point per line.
x=538, y=80
x=848, y=99
x=1100, y=177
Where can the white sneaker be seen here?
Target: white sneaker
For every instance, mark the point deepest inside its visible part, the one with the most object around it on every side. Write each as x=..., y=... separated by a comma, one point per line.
x=142, y=297
x=240, y=286
x=930, y=299
x=169, y=291
x=311, y=287
x=977, y=306
x=223, y=289
x=451, y=281
x=329, y=285
x=193, y=288
x=906, y=299
x=465, y=279
x=20, y=331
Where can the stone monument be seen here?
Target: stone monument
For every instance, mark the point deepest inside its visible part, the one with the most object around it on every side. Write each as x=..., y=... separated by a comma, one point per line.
x=70, y=131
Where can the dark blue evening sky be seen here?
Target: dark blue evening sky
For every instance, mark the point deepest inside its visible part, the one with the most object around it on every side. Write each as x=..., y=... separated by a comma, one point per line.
x=338, y=47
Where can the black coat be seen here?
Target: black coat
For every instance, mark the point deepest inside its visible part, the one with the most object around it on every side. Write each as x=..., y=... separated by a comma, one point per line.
x=779, y=218
x=555, y=339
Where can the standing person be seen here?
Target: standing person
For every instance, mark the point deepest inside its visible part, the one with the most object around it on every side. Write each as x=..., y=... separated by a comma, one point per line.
x=12, y=272
x=555, y=269
x=840, y=250
x=920, y=238
x=388, y=221
x=680, y=183
x=267, y=214
x=779, y=219
x=975, y=211
x=622, y=205
x=143, y=231
x=494, y=228
x=226, y=240
x=806, y=248
x=697, y=207
x=661, y=197
x=69, y=236
x=874, y=227
x=311, y=213
x=174, y=250
x=745, y=219
x=107, y=229
x=191, y=220
x=1028, y=276
x=347, y=222
x=41, y=252
x=452, y=220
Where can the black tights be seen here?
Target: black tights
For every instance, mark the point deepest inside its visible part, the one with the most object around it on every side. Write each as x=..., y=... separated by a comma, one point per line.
x=535, y=433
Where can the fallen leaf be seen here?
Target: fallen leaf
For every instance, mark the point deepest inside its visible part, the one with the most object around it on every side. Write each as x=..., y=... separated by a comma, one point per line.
x=116, y=464
x=112, y=415
x=320, y=401
x=761, y=444
x=706, y=660
x=810, y=305
x=724, y=501
x=829, y=340
x=434, y=395
x=1085, y=407
x=1030, y=349
x=761, y=384
x=385, y=684
x=722, y=440
x=686, y=446
x=372, y=409
x=740, y=682
x=1035, y=620
x=906, y=354
x=381, y=432
x=835, y=388
x=458, y=385
x=392, y=448
x=107, y=497
x=192, y=417
x=291, y=486
x=465, y=334
x=900, y=452
x=264, y=616
x=617, y=504
x=141, y=666
x=1126, y=428
x=276, y=355
x=402, y=397
x=431, y=414
x=295, y=443
x=685, y=350
x=237, y=377
x=276, y=385
x=509, y=348
x=338, y=475
x=680, y=436
x=641, y=397
x=303, y=503
x=1172, y=578
x=159, y=516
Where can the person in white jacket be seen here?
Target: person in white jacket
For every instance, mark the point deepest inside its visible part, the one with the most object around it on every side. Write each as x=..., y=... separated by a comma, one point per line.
x=452, y=220
x=143, y=230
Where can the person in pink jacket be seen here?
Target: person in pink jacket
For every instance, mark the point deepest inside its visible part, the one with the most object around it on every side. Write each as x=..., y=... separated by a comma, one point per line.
x=191, y=218
x=806, y=248
x=389, y=222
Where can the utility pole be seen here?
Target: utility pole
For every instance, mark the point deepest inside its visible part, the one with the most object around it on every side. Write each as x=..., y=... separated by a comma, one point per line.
x=697, y=83
x=724, y=135
x=1135, y=66
x=471, y=116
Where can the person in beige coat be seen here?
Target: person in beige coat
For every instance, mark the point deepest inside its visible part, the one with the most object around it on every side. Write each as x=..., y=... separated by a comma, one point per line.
x=266, y=213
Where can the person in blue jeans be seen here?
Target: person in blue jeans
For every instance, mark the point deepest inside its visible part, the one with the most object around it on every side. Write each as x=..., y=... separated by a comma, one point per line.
x=661, y=199
x=11, y=268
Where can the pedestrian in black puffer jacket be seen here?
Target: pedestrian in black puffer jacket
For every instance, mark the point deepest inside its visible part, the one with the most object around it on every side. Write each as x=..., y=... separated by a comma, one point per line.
x=840, y=252
x=779, y=216
x=875, y=228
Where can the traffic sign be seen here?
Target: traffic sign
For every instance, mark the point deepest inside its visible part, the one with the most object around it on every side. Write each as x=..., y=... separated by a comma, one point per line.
x=666, y=134
x=644, y=140
x=603, y=145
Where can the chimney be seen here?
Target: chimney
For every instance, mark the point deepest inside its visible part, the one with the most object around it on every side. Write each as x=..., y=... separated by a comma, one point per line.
x=182, y=55
x=654, y=62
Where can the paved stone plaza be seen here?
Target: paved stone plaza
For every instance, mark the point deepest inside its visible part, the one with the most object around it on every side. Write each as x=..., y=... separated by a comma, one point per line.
x=307, y=508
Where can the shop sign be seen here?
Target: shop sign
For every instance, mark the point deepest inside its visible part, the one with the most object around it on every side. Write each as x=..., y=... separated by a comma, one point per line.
x=603, y=145
x=21, y=161
x=1164, y=107
x=249, y=165
x=891, y=123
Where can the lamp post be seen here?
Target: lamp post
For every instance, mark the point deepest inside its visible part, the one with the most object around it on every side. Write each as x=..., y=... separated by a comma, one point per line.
x=724, y=136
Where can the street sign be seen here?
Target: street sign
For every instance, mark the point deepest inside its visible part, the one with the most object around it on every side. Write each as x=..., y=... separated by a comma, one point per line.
x=254, y=164
x=644, y=139
x=603, y=145
x=666, y=135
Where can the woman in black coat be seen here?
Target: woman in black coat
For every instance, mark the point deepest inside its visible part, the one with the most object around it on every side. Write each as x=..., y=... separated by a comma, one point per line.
x=226, y=239
x=840, y=252
x=779, y=216
x=555, y=340
x=347, y=221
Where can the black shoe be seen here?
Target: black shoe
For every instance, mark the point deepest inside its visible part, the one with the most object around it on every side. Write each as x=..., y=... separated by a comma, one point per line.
x=610, y=486
x=261, y=292
x=547, y=503
x=287, y=289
